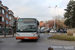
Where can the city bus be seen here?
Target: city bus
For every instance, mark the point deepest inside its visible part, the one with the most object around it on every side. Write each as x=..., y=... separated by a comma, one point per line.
x=27, y=28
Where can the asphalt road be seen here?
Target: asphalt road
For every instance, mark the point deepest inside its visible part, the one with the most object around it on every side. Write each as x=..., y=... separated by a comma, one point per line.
x=13, y=44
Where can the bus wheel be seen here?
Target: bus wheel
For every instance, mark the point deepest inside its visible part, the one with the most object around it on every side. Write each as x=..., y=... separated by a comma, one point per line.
x=22, y=40
x=36, y=40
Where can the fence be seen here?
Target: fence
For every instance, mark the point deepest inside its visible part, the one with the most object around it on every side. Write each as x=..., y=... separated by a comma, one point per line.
x=3, y=31
x=6, y=32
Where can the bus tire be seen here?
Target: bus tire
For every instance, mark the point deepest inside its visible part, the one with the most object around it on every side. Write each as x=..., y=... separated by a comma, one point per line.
x=36, y=40
x=22, y=40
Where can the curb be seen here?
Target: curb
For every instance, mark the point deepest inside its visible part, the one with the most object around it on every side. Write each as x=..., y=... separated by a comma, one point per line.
x=2, y=36
x=7, y=36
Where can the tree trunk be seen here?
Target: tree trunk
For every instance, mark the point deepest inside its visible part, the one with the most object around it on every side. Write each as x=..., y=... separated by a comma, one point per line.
x=4, y=34
x=13, y=33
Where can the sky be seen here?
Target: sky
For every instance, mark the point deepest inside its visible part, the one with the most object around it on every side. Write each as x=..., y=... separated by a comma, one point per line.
x=40, y=9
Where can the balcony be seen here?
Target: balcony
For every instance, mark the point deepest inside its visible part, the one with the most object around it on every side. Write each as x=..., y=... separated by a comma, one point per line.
x=10, y=12
x=2, y=23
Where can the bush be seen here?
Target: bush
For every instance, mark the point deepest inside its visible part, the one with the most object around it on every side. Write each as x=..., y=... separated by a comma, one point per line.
x=70, y=32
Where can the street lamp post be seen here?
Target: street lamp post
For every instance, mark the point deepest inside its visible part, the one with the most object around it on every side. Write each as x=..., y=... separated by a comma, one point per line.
x=54, y=17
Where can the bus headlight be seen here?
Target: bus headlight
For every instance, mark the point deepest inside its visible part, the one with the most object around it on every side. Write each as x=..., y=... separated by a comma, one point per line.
x=35, y=34
x=17, y=34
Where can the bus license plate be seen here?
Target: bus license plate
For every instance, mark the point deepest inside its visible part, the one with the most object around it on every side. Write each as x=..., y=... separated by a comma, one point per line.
x=26, y=38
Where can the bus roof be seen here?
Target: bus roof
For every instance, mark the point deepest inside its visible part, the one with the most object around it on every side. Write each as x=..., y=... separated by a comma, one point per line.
x=28, y=18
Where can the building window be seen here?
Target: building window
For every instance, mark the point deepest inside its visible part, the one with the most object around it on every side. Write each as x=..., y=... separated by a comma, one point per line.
x=6, y=26
x=6, y=15
x=2, y=11
x=7, y=10
x=3, y=19
x=0, y=19
x=10, y=22
x=10, y=17
x=10, y=12
x=6, y=21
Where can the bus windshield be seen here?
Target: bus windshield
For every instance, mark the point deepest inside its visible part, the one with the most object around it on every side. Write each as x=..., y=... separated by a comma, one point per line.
x=26, y=27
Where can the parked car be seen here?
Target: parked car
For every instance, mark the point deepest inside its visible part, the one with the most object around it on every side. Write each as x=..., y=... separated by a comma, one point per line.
x=61, y=30
x=64, y=31
x=0, y=33
x=52, y=31
x=58, y=30
x=47, y=30
x=42, y=31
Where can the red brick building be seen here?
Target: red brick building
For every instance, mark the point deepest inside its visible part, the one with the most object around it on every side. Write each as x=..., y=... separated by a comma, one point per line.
x=6, y=17
x=41, y=23
x=48, y=24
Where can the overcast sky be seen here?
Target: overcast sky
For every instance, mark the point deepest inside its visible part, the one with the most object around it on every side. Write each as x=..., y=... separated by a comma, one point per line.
x=40, y=9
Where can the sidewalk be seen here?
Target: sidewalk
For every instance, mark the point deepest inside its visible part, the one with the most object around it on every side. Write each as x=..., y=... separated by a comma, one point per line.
x=2, y=36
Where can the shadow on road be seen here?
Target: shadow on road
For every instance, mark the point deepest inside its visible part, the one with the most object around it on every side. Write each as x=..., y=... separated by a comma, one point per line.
x=23, y=41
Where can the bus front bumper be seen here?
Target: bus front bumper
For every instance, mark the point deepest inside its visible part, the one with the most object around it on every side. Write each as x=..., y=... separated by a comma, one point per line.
x=26, y=37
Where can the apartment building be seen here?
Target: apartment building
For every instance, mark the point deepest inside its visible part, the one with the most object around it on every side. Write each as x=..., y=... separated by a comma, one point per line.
x=7, y=18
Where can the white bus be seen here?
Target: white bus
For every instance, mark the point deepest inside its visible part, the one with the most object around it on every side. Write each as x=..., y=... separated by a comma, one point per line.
x=27, y=28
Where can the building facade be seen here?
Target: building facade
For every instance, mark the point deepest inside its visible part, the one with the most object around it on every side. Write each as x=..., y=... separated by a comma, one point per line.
x=7, y=18
x=41, y=24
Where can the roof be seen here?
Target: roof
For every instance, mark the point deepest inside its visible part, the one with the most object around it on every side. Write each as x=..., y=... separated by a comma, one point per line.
x=16, y=17
x=11, y=11
x=6, y=7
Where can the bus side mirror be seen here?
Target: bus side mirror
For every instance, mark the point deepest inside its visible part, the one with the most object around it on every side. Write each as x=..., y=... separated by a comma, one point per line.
x=37, y=23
